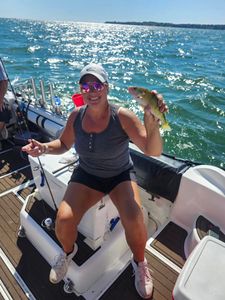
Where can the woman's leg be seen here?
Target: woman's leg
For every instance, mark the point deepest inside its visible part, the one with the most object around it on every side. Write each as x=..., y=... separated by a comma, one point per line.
x=77, y=200
x=126, y=198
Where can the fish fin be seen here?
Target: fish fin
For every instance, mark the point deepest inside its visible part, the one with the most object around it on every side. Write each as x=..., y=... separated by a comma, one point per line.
x=166, y=127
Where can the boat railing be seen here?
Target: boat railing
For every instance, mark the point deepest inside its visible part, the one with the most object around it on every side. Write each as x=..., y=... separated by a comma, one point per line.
x=42, y=97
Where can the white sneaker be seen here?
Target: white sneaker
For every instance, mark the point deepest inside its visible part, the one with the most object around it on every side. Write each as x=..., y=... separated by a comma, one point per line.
x=4, y=133
x=143, y=279
x=60, y=267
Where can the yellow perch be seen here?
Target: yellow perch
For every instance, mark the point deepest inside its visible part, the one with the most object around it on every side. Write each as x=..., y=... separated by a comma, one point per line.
x=146, y=97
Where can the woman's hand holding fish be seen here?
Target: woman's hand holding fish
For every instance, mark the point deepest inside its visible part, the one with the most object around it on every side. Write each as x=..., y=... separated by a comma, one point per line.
x=150, y=121
x=162, y=105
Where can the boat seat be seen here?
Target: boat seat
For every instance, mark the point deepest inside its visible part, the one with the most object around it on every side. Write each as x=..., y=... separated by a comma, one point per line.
x=98, y=220
x=202, y=227
x=200, y=278
x=158, y=175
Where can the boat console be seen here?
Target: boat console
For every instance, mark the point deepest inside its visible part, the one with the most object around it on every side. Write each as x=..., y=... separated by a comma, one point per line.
x=101, y=235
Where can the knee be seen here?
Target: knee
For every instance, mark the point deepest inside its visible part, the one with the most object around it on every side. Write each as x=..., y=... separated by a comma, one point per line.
x=133, y=217
x=65, y=221
x=63, y=218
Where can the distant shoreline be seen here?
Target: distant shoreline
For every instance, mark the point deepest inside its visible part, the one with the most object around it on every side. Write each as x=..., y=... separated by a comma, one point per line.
x=197, y=26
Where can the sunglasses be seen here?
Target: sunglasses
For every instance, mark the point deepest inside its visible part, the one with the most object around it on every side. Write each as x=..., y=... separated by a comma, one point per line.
x=86, y=87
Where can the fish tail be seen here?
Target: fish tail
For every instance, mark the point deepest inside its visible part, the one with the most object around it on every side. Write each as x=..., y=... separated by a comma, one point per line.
x=166, y=126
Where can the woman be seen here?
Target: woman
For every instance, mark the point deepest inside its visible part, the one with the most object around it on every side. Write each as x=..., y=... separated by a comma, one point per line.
x=101, y=134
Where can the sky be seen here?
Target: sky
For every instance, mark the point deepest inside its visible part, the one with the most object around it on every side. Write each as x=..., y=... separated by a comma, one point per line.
x=173, y=11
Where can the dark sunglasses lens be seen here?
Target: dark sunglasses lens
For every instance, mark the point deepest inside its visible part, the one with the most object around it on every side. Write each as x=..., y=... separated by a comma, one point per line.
x=85, y=87
x=97, y=86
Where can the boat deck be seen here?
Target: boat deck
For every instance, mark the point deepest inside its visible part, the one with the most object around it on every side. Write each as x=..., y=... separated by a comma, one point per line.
x=24, y=273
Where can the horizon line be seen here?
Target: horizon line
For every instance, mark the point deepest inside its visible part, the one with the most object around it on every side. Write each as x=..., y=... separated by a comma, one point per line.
x=114, y=22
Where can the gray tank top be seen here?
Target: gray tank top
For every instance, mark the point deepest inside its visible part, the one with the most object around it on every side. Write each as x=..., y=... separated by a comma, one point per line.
x=103, y=154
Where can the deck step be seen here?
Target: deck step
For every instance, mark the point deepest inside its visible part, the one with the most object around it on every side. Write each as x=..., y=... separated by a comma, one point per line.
x=170, y=243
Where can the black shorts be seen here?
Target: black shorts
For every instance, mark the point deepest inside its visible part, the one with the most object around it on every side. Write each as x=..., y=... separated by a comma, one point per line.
x=104, y=185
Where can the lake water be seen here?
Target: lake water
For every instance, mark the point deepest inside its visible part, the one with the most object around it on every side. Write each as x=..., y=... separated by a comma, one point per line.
x=186, y=65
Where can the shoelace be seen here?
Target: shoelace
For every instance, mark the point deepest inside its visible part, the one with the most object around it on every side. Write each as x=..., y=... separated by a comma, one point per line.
x=145, y=273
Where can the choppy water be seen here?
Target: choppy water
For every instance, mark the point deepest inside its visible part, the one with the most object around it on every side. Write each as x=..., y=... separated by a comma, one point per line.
x=186, y=65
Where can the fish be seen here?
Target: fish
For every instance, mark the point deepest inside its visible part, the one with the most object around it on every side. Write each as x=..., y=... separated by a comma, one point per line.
x=145, y=97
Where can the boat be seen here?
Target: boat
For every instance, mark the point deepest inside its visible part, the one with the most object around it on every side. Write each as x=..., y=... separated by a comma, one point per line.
x=183, y=206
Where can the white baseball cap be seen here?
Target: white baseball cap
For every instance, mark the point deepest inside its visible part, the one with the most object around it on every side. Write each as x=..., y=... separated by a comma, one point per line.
x=94, y=69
